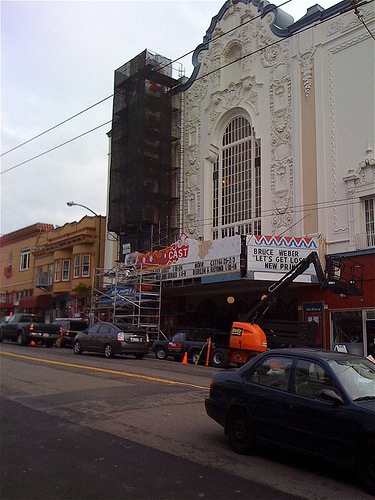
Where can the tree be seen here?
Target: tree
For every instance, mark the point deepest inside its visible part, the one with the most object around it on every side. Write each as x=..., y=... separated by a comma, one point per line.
x=83, y=292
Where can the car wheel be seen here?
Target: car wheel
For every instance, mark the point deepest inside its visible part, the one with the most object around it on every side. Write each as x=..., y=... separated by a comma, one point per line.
x=220, y=358
x=194, y=357
x=160, y=353
x=240, y=431
x=20, y=339
x=139, y=355
x=108, y=351
x=77, y=347
x=366, y=465
x=49, y=344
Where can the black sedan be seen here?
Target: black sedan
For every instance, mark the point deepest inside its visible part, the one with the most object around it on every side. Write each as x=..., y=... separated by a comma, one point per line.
x=317, y=402
x=111, y=338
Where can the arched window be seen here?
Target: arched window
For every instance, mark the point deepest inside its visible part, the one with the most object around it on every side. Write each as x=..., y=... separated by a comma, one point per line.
x=237, y=182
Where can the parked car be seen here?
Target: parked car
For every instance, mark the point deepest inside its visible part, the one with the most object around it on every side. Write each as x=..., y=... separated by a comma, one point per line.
x=3, y=320
x=190, y=340
x=70, y=328
x=111, y=339
x=319, y=403
x=29, y=328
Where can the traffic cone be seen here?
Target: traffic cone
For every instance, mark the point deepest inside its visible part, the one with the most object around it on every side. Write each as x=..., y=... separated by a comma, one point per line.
x=184, y=360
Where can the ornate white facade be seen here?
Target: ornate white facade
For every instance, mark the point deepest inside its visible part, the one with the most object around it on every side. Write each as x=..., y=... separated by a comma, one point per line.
x=306, y=89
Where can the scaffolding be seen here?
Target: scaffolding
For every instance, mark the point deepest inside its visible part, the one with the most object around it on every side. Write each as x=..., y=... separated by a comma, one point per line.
x=140, y=197
x=128, y=296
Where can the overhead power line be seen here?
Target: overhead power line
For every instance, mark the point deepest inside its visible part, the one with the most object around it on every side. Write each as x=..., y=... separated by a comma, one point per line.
x=356, y=5
x=295, y=209
x=56, y=147
x=268, y=213
x=112, y=95
x=57, y=125
x=281, y=40
x=355, y=8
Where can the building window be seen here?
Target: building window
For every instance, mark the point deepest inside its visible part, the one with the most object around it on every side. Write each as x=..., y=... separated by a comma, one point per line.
x=65, y=270
x=25, y=259
x=76, y=266
x=44, y=278
x=237, y=182
x=370, y=222
x=40, y=276
x=85, y=265
x=50, y=273
x=57, y=270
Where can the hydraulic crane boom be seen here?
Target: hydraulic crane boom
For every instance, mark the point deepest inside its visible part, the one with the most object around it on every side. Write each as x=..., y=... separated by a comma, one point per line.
x=327, y=281
x=247, y=338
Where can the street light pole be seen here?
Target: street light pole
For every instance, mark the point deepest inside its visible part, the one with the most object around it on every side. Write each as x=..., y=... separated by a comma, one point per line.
x=73, y=204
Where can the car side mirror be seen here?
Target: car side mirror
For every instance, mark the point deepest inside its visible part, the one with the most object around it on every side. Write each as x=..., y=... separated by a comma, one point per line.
x=330, y=395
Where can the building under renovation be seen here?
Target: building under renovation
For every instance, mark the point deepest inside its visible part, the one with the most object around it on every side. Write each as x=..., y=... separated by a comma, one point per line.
x=275, y=149
x=141, y=201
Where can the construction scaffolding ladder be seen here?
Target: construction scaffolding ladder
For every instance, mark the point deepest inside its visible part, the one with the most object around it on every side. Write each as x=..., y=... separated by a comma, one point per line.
x=129, y=296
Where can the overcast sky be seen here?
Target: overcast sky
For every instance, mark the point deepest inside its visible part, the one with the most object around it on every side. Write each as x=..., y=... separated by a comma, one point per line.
x=58, y=58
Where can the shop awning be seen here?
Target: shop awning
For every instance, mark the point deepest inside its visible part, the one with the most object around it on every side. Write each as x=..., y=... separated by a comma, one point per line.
x=40, y=301
x=6, y=305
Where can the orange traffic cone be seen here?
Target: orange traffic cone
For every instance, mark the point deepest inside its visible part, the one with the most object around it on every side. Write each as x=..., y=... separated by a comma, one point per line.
x=184, y=360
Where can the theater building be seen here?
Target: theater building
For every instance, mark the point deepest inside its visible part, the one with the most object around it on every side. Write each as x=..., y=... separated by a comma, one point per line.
x=276, y=140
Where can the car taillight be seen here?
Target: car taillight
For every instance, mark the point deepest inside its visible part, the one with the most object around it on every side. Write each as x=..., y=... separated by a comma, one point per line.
x=175, y=345
x=31, y=327
x=60, y=331
x=121, y=336
x=212, y=385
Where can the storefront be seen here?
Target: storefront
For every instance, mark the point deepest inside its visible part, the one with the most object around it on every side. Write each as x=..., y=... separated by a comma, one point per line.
x=347, y=323
x=353, y=331
x=211, y=284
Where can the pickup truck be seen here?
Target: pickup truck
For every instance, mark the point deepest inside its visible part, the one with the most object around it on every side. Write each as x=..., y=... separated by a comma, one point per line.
x=27, y=328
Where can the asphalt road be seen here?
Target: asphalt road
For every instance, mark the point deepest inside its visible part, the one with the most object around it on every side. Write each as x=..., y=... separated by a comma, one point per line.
x=75, y=427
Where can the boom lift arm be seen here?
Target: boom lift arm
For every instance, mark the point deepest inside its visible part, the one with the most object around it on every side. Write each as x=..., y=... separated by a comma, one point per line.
x=331, y=280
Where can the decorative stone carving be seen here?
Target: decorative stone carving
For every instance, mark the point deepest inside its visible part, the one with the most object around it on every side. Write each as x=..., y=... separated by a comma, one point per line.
x=364, y=176
x=306, y=61
x=281, y=169
x=192, y=149
x=346, y=24
x=273, y=51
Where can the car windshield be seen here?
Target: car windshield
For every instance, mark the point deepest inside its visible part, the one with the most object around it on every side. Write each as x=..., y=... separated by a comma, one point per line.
x=357, y=376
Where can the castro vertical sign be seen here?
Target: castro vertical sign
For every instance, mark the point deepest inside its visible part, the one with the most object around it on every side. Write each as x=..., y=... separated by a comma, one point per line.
x=277, y=254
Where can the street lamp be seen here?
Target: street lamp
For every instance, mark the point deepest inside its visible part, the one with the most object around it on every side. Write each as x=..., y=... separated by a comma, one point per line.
x=74, y=204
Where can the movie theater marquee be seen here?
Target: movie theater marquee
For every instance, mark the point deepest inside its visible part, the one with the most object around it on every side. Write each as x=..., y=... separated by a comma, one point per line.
x=189, y=258
x=277, y=255
x=267, y=257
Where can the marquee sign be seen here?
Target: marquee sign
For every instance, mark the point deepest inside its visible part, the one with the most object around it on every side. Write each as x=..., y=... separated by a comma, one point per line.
x=189, y=258
x=278, y=254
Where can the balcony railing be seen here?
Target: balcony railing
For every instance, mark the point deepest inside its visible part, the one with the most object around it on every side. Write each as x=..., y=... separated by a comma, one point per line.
x=44, y=281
